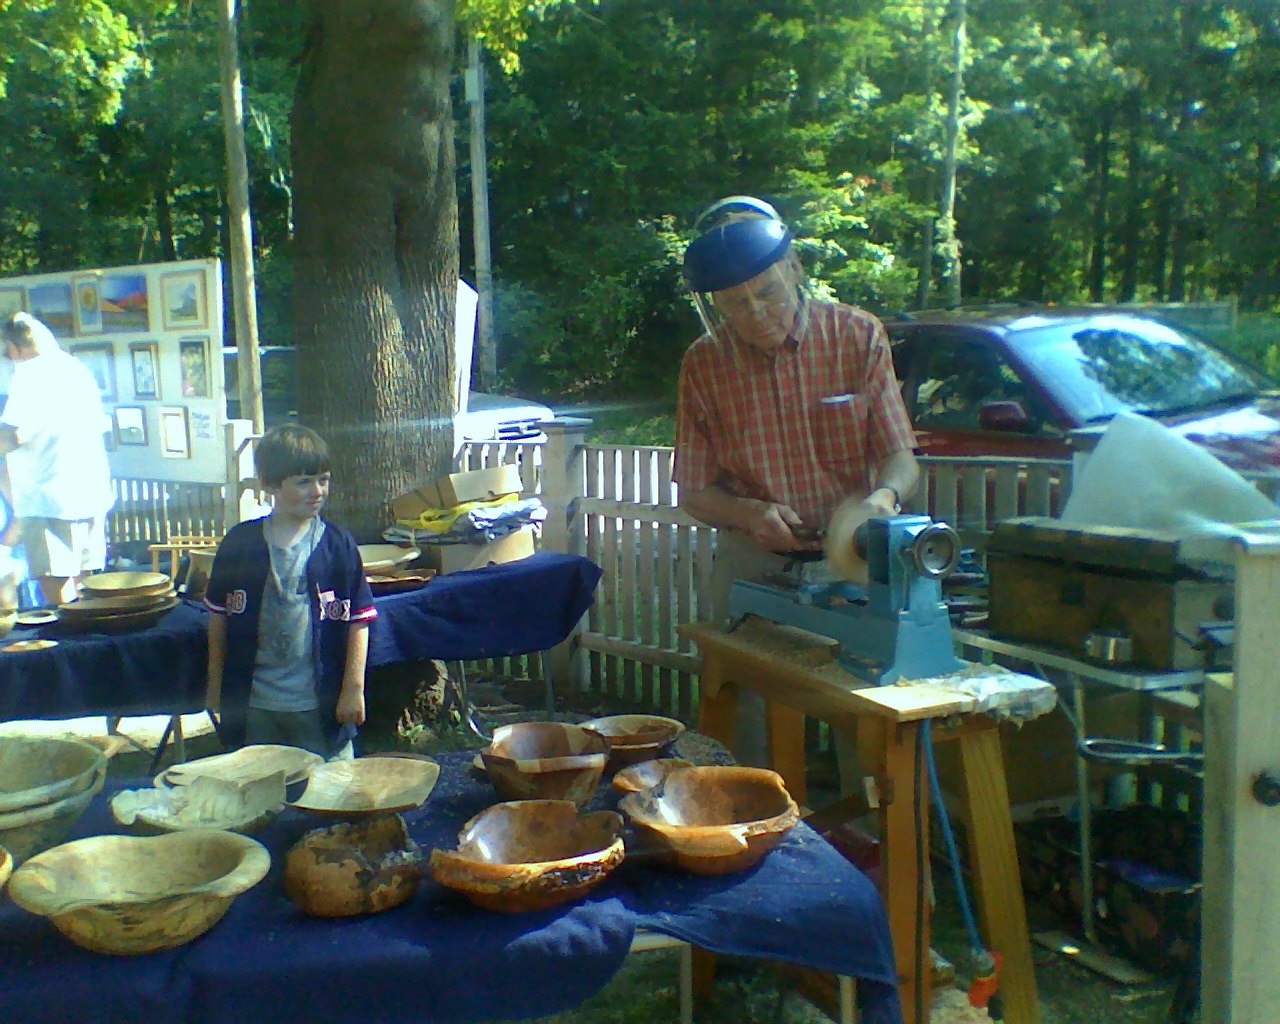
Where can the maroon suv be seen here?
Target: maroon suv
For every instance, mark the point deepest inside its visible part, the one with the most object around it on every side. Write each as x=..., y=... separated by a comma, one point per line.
x=1014, y=382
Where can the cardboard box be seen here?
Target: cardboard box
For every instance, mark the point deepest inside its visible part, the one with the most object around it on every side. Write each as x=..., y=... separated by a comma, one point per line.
x=457, y=557
x=456, y=488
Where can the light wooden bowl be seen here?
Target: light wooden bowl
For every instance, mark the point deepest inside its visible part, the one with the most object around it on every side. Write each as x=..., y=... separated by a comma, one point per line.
x=41, y=769
x=109, y=584
x=6, y=866
x=31, y=830
x=386, y=556
x=530, y=854
x=8, y=619
x=368, y=785
x=132, y=894
x=248, y=764
x=353, y=867
x=119, y=604
x=635, y=738
x=208, y=802
x=714, y=820
x=647, y=774
x=545, y=761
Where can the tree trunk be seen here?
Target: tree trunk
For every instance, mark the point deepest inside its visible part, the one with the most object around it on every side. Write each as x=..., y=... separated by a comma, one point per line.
x=376, y=253
x=1132, y=231
x=1098, y=260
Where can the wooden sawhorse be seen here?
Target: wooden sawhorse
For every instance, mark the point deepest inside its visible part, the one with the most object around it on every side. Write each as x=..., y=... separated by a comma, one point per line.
x=798, y=675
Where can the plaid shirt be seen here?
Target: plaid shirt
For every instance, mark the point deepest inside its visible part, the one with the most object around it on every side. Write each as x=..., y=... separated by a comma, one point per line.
x=804, y=425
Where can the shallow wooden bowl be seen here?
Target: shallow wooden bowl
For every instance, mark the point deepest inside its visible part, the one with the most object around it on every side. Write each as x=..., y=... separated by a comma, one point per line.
x=368, y=785
x=530, y=854
x=133, y=894
x=119, y=604
x=6, y=866
x=248, y=764
x=545, y=761
x=714, y=820
x=38, y=770
x=351, y=868
x=108, y=584
x=31, y=830
x=386, y=556
x=208, y=802
x=635, y=738
x=647, y=774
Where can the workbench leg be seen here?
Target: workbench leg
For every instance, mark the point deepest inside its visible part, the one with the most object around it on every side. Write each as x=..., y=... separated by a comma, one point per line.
x=890, y=750
x=994, y=863
x=785, y=733
x=717, y=702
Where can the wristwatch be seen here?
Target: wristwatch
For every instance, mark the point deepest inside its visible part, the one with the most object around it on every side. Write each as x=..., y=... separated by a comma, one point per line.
x=897, y=498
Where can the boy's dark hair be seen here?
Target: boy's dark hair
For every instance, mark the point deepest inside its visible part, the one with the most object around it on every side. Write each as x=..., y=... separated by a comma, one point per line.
x=290, y=450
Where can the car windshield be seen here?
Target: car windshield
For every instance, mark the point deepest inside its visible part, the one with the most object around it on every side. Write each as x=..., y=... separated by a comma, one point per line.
x=1107, y=365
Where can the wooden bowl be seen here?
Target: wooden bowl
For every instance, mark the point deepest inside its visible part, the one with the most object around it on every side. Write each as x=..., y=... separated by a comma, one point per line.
x=545, y=761
x=109, y=584
x=386, y=556
x=353, y=868
x=208, y=802
x=368, y=785
x=119, y=604
x=647, y=774
x=38, y=770
x=31, y=830
x=530, y=854
x=8, y=619
x=248, y=764
x=133, y=894
x=714, y=820
x=635, y=738
x=116, y=622
x=6, y=866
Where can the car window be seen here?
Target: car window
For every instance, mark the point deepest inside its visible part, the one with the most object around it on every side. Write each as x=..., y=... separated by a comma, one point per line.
x=1113, y=364
x=953, y=378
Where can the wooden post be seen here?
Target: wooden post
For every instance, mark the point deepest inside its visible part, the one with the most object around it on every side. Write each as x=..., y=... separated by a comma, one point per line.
x=562, y=530
x=1240, y=913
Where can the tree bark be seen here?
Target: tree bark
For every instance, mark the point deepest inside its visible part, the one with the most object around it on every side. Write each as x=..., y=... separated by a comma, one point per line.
x=376, y=251
x=1098, y=259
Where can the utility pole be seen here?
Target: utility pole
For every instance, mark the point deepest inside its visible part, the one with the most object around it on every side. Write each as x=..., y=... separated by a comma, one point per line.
x=949, y=242
x=243, y=293
x=487, y=349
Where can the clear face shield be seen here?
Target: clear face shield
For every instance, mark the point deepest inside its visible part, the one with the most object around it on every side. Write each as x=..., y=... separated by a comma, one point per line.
x=746, y=283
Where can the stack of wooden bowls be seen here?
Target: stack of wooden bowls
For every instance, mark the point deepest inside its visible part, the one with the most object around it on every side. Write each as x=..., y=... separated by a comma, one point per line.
x=117, y=601
x=45, y=785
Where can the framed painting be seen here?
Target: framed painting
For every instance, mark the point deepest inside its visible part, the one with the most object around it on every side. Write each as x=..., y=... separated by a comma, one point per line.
x=183, y=302
x=131, y=425
x=13, y=299
x=101, y=361
x=51, y=305
x=87, y=304
x=175, y=438
x=123, y=301
x=144, y=359
x=193, y=358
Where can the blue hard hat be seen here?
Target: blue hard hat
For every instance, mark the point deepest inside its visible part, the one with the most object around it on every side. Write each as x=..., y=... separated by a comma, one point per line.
x=733, y=253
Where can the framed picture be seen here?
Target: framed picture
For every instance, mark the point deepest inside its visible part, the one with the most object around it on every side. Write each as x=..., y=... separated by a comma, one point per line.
x=12, y=300
x=51, y=304
x=144, y=359
x=101, y=361
x=183, y=301
x=193, y=357
x=131, y=425
x=87, y=305
x=175, y=440
x=122, y=298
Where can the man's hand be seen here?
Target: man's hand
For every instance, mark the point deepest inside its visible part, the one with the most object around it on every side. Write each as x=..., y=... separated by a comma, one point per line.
x=351, y=705
x=771, y=528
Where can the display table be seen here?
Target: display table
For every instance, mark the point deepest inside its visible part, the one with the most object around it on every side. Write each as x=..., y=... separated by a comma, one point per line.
x=513, y=608
x=437, y=958
x=798, y=675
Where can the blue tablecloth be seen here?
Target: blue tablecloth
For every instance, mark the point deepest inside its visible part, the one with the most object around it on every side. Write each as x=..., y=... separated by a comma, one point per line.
x=437, y=958
x=513, y=608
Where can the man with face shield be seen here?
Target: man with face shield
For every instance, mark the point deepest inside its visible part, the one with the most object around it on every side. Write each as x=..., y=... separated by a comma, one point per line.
x=788, y=412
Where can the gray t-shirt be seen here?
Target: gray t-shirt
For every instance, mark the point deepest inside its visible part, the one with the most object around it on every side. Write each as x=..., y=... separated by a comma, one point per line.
x=284, y=677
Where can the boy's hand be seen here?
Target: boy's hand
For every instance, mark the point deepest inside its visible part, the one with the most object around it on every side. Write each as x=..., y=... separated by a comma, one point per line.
x=351, y=706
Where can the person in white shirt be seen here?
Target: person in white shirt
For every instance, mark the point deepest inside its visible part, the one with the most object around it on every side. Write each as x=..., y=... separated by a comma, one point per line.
x=51, y=435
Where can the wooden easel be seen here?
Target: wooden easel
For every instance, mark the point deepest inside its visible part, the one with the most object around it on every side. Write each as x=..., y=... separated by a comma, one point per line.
x=798, y=675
